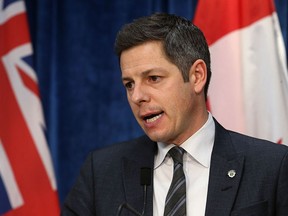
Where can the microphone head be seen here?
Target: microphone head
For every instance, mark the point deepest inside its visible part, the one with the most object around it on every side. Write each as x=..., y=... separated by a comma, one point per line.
x=145, y=176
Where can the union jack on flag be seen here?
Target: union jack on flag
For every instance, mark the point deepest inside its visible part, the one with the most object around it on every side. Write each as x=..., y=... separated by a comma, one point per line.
x=27, y=181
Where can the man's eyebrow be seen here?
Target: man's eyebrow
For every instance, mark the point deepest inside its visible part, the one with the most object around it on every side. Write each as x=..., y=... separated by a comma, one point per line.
x=143, y=74
x=147, y=72
x=126, y=79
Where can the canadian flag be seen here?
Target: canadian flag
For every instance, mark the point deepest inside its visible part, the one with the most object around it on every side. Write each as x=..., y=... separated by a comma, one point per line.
x=249, y=84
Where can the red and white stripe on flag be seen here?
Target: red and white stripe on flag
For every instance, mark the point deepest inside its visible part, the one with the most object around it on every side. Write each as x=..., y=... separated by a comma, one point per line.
x=27, y=181
x=249, y=84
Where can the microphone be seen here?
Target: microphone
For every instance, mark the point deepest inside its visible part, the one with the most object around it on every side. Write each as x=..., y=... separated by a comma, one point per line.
x=145, y=180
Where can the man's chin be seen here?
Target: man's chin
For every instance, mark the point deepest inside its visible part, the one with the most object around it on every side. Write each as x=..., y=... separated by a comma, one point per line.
x=156, y=137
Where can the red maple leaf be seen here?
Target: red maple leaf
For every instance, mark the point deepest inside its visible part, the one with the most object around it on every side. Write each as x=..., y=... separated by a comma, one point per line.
x=279, y=141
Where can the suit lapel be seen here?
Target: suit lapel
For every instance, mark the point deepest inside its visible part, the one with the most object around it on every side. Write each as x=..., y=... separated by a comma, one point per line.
x=225, y=175
x=143, y=157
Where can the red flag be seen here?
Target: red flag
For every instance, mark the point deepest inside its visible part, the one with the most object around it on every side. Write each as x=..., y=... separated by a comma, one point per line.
x=27, y=181
x=249, y=85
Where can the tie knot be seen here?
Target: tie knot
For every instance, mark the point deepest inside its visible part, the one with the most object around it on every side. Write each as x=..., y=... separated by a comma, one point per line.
x=177, y=154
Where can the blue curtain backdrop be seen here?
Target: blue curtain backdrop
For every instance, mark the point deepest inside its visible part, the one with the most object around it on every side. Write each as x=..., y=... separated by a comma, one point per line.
x=84, y=102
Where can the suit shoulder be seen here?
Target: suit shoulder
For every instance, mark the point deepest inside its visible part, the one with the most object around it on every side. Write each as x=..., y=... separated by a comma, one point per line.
x=125, y=145
x=251, y=144
x=129, y=148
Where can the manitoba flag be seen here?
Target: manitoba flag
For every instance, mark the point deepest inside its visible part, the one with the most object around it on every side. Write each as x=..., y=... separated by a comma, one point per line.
x=249, y=84
x=27, y=181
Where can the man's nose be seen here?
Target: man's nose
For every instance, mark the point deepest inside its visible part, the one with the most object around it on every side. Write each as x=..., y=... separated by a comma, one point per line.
x=139, y=94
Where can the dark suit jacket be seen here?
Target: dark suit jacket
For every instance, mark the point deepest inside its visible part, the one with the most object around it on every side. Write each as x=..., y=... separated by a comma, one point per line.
x=260, y=187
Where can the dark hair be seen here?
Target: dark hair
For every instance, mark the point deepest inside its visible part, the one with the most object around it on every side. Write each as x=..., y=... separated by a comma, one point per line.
x=183, y=42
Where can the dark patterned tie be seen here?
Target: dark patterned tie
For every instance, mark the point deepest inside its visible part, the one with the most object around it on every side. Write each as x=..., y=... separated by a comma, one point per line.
x=176, y=198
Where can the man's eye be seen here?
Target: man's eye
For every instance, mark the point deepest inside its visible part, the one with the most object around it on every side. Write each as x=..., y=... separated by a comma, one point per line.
x=128, y=85
x=154, y=78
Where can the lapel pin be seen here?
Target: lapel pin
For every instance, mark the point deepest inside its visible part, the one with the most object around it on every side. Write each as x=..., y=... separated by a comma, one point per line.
x=231, y=173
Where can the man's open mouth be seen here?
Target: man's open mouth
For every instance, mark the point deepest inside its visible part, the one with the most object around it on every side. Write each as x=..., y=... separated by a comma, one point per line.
x=153, y=117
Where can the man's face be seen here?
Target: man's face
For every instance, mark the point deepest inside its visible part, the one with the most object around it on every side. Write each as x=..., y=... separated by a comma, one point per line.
x=162, y=103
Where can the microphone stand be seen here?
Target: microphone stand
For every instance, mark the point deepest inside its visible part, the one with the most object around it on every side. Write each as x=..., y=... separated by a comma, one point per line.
x=129, y=207
x=145, y=181
x=145, y=199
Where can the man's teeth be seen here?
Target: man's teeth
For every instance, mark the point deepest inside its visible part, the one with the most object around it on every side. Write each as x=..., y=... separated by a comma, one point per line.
x=149, y=120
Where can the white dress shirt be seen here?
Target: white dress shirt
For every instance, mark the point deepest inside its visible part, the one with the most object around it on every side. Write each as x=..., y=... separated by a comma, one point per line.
x=196, y=165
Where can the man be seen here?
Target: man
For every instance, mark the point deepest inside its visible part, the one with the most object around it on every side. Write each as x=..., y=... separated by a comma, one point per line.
x=165, y=64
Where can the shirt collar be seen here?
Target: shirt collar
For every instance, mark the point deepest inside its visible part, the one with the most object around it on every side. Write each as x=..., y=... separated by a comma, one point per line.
x=199, y=146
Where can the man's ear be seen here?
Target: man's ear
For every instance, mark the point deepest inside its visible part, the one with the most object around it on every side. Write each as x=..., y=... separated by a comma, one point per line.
x=198, y=75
